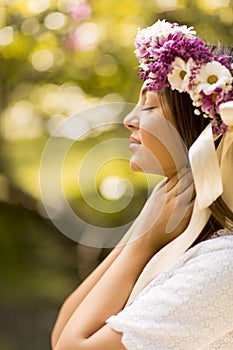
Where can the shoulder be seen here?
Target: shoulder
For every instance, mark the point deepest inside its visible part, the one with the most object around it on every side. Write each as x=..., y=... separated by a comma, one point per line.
x=204, y=272
x=210, y=261
x=213, y=255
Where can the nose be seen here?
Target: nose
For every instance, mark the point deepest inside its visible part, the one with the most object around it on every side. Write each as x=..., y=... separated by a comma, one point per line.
x=131, y=121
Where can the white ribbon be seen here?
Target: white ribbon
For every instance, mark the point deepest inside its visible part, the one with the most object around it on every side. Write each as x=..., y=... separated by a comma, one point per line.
x=213, y=170
x=226, y=155
x=205, y=168
x=213, y=176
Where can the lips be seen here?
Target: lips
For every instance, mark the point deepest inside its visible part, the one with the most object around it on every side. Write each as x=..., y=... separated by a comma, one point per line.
x=134, y=140
x=134, y=143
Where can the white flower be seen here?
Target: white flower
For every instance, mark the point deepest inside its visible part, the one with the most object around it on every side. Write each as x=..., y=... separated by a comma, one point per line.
x=179, y=77
x=189, y=32
x=158, y=29
x=151, y=75
x=143, y=66
x=161, y=29
x=195, y=96
x=213, y=75
x=149, y=81
x=197, y=111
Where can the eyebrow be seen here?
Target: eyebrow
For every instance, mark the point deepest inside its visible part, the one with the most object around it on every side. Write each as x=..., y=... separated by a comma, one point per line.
x=144, y=90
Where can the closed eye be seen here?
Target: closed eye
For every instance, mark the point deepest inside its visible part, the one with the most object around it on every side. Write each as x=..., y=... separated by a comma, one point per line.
x=148, y=108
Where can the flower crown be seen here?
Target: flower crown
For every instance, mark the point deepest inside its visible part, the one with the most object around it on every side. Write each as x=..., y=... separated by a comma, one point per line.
x=171, y=55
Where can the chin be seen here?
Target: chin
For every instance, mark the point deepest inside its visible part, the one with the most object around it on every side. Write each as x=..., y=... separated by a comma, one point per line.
x=152, y=169
x=147, y=169
x=135, y=167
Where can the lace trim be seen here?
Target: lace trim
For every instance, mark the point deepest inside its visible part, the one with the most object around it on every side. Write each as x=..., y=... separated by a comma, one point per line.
x=223, y=232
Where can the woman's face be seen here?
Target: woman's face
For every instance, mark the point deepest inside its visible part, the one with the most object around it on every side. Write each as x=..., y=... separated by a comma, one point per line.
x=155, y=142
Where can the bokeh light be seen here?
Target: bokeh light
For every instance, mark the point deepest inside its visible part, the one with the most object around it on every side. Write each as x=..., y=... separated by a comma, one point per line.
x=6, y=35
x=55, y=20
x=113, y=187
x=21, y=122
x=85, y=37
x=30, y=26
x=42, y=60
x=37, y=7
x=169, y=5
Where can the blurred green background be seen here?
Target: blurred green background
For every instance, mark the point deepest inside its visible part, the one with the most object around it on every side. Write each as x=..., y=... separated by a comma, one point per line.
x=59, y=58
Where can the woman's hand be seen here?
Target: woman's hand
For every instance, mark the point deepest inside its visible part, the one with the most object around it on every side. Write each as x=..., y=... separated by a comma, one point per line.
x=167, y=211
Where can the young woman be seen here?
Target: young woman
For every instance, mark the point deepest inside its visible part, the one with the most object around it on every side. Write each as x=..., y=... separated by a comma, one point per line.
x=169, y=284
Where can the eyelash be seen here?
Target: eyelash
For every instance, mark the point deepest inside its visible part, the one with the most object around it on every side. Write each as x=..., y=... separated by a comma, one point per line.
x=148, y=108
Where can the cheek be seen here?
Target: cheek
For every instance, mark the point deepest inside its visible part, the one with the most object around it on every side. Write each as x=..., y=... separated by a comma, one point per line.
x=147, y=139
x=148, y=128
x=155, y=145
x=162, y=139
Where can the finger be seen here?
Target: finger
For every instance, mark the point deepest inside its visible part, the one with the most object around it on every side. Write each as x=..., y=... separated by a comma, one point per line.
x=179, y=182
x=188, y=214
x=172, y=182
x=185, y=196
x=180, y=218
x=161, y=184
x=185, y=182
x=159, y=188
x=180, y=204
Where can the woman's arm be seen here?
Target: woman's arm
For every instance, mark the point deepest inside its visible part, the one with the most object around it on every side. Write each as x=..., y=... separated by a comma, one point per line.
x=86, y=328
x=73, y=301
x=107, y=297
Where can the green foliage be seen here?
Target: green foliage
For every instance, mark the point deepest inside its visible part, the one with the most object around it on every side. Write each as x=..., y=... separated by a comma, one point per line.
x=86, y=44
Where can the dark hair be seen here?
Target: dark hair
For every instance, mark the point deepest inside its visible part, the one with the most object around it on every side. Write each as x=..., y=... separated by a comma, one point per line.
x=190, y=127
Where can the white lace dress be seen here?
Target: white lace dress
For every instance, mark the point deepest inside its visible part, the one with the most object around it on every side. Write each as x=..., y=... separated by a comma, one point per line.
x=188, y=306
